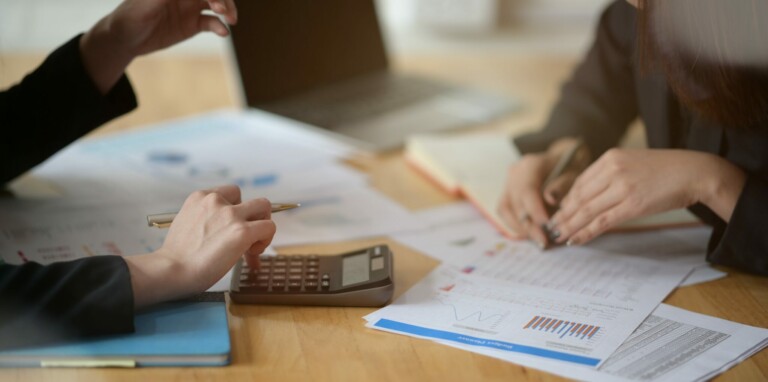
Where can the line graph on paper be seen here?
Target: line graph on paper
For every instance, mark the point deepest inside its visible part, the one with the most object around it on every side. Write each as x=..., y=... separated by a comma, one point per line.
x=477, y=318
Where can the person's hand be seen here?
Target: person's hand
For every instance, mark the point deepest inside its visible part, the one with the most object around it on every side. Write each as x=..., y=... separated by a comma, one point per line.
x=138, y=27
x=210, y=233
x=524, y=206
x=628, y=183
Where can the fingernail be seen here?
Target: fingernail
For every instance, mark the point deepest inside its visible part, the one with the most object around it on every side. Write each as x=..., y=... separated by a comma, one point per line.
x=550, y=226
x=571, y=242
x=541, y=244
x=554, y=235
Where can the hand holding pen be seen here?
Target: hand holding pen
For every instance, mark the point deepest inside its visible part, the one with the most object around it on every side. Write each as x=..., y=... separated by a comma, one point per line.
x=164, y=220
x=213, y=229
x=535, y=186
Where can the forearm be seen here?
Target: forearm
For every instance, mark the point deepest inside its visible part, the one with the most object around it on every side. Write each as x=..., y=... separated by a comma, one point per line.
x=102, y=58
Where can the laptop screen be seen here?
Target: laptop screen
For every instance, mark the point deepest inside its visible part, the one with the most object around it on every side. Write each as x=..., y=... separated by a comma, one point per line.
x=285, y=47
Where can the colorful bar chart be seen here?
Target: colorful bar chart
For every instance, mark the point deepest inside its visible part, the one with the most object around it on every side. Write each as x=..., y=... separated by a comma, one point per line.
x=562, y=328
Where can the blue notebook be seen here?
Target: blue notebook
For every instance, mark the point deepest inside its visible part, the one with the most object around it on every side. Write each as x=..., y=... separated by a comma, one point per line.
x=172, y=334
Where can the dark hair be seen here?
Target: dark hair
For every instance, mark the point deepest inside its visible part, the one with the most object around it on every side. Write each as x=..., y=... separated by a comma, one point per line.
x=731, y=92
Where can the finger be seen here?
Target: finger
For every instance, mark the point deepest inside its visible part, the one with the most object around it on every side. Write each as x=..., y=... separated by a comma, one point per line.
x=232, y=8
x=588, y=213
x=254, y=209
x=532, y=203
x=603, y=222
x=507, y=215
x=259, y=237
x=230, y=193
x=556, y=190
x=225, y=8
x=213, y=24
x=586, y=187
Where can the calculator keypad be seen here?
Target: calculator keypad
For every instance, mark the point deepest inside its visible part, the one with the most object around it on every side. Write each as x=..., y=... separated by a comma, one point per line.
x=285, y=274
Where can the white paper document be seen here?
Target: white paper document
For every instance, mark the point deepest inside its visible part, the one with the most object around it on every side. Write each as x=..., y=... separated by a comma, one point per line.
x=671, y=345
x=568, y=304
x=341, y=214
x=258, y=153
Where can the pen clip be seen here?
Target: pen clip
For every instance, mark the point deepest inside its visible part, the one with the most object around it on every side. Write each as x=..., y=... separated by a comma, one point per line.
x=160, y=220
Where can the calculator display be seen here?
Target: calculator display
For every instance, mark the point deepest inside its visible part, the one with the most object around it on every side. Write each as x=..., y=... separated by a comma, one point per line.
x=355, y=269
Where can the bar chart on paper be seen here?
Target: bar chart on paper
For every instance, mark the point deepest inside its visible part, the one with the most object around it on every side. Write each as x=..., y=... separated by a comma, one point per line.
x=562, y=328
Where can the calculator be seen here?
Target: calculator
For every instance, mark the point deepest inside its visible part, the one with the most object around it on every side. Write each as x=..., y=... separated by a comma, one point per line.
x=358, y=278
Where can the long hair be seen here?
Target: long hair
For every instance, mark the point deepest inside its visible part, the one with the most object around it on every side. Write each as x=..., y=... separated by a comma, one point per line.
x=714, y=54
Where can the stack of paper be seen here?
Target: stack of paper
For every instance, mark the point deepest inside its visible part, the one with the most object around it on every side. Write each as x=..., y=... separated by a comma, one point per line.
x=589, y=313
x=104, y=188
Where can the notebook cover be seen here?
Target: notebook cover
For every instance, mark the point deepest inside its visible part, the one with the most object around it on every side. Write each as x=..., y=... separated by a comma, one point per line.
x=171, y=334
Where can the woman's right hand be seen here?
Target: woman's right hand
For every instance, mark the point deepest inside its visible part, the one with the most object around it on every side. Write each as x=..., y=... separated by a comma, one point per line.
x=524, y=206
x=213, y=229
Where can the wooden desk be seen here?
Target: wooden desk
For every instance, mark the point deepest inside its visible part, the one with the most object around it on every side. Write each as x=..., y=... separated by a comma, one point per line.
x=331, y=344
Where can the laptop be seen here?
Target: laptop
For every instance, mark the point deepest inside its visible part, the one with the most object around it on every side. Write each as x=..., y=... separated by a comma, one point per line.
x=324, y=63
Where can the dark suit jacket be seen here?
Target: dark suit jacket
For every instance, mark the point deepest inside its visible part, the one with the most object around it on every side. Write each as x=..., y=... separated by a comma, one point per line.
x=608, y=91
x=50, y=108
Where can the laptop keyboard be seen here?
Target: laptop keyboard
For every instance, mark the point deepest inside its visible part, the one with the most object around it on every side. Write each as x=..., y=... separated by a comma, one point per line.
x=357, y=100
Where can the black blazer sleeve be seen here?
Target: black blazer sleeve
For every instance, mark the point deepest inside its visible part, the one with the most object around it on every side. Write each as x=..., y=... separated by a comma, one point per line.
x=42, y=304
x=599, y=101
x=47, y=110
x=742, y=243
x=53, y=106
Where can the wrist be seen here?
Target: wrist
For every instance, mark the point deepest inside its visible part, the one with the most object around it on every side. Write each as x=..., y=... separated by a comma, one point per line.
x=103, y=56
x=721, y=187
x=154, y=278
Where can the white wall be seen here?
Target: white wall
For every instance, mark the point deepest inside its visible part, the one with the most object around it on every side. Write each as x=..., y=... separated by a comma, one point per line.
x=551, y=25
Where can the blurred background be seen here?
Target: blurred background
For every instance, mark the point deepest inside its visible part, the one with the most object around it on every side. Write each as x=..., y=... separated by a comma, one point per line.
x=411, y=26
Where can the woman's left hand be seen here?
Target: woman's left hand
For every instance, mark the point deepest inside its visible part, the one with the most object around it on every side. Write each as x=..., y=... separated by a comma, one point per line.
x=628, y=183
x=138, y=27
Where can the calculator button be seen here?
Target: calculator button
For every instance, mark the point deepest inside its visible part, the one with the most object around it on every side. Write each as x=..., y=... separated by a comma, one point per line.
x=278, y=277
x=295, y=270
x=260, y=286
x=278, y=270
x=326, y=276
x=325, y=284
x=312, y=270
x=312, y=263
x=262, y=277
x=295, y=277
x=377, y=251
x=310, y=284
x=294, y=285
x=312, y=257
x=280, y=263
x=244, y=277
x=265, y=264
x=312, y=276
x=278, y=285
x=264, y=285
x=294, y=263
